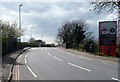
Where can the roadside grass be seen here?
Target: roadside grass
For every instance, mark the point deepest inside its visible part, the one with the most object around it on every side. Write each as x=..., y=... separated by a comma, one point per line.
x=97, y=53
x=77, y=49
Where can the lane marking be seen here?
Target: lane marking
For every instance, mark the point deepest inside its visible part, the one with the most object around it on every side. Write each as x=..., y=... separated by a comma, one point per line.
x=47, y=52
x=18, y=73
x=18, y=68
x=84, y=58
x=104, y=62
x=31, y=71
x=79, y=67
x=26, y=55
x=25, y=60
x=16, y=77
x=115, y=79
x=57, y=58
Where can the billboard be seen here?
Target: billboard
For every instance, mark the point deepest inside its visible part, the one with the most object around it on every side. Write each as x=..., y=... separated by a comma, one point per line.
x=107, y=37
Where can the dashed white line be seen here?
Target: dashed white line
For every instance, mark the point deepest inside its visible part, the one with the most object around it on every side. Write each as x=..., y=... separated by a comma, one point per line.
x=49, y=54
x=79, y=67
x=57, y=58
x=84, y=58
x=26, y=55
x=25, y=60
x=104, y=62
x=31, y=71
x=115, y=79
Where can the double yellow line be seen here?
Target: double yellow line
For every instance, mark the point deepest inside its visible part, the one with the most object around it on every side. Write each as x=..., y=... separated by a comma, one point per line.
x=17, y=74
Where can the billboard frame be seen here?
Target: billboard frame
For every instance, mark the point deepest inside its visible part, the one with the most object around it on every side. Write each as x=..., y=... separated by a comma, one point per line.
x=103, y=52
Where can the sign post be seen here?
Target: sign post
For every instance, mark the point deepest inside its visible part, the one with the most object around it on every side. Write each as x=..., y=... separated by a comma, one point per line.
x=107, y=37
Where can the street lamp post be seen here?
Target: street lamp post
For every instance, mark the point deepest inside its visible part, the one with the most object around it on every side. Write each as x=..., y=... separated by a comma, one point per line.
x=31, y=33
x=20, y=19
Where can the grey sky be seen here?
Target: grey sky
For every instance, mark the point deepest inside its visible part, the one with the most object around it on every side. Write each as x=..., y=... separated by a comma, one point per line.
x=47, y=17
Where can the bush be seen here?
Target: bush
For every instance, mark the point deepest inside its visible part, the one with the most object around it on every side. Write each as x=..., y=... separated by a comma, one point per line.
x=33, y=44
x=9, y=44
x=91, y=46
x=118, y=51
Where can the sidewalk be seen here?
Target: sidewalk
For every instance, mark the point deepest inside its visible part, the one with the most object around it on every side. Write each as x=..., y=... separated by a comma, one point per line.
x=113, y=60
x=7, y=63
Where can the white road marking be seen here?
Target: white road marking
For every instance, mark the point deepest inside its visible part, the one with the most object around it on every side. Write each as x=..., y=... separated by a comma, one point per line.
x=25, y=60
x=57, y=58
x=18, y=73
x=47, y=52
x=104, y=62
x=18, y=69
x=79, y=67
x=84, y=58
x=115, y=79
x=26, y=55
x=31, y=71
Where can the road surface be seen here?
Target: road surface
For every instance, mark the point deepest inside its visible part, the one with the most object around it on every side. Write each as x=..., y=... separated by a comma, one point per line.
x=57, y=64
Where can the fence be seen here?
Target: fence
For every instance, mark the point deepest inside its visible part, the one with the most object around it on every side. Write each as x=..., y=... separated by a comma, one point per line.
x=9, y=44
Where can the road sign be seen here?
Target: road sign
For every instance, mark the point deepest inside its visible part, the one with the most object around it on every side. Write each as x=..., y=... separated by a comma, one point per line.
x=107, y=37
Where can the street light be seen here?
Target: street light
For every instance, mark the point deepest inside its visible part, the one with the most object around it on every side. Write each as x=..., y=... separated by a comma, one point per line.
x=20, y=19
x=31, y=33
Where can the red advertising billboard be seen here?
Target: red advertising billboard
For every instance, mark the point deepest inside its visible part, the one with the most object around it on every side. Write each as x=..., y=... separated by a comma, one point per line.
x=107, y=37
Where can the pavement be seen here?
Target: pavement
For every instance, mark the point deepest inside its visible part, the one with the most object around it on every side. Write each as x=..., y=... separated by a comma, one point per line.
x=59, y=64
x=8, y=62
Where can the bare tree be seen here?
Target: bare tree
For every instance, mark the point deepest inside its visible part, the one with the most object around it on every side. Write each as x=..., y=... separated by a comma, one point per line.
x=72, y=32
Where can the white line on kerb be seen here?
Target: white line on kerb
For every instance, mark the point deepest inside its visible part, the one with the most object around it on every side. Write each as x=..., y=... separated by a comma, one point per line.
x=115, y=79
x=57, y=58
x=80, y=67
x=25, y=61
x=32, y=72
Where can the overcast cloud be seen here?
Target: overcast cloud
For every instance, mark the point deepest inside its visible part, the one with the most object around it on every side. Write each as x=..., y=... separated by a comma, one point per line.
x=47, y=17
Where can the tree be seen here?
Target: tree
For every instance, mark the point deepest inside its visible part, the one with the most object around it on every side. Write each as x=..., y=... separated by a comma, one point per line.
x=90, y=45
x=109, y=7
x=72, y=32
x=9, y=34
x=10, y=29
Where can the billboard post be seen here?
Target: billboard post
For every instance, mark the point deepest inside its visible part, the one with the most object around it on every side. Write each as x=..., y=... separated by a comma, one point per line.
x=107, y=37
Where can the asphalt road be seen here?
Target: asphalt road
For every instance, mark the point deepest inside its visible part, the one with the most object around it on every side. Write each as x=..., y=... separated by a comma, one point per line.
x=57, y=64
